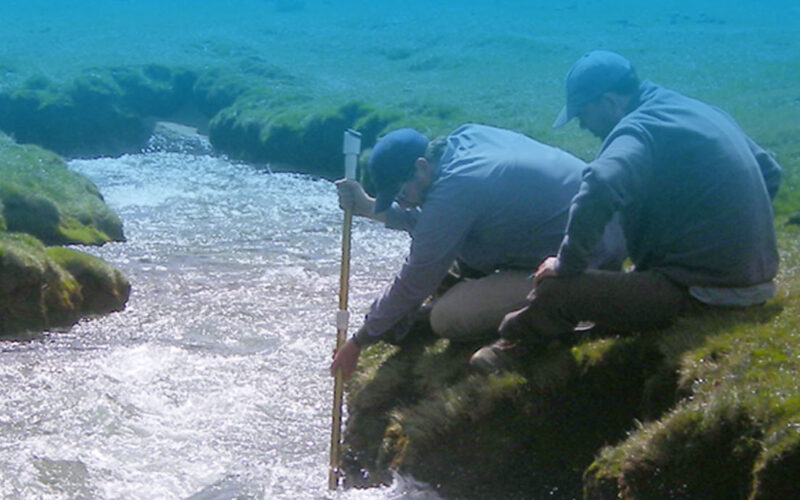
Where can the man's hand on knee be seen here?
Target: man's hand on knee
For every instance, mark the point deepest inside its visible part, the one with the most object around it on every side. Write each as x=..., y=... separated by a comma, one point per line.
x=547, y=269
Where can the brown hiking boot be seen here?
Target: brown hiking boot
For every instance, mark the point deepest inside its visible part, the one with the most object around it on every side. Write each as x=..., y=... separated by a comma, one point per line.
x=503, y=355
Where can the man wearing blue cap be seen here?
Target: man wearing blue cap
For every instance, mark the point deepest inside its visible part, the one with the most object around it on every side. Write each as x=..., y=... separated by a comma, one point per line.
x=695, y=198
x=493, y=200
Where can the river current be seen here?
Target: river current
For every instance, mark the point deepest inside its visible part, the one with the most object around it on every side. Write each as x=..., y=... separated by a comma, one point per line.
x=213, y=383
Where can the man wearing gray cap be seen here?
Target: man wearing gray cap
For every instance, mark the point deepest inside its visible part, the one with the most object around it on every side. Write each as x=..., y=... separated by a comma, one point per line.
x=493, y=200
x=695, y=198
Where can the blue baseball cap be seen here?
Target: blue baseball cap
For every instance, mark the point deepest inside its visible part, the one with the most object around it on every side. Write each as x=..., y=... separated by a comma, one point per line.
x=592, y=75
x=391, y=163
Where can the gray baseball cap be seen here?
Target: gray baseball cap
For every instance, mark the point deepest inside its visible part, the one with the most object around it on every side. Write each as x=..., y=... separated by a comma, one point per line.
x=593, y=74
x=392, y=163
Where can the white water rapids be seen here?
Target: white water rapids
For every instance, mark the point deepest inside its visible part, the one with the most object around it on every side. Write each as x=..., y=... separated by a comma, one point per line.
x=213, y=383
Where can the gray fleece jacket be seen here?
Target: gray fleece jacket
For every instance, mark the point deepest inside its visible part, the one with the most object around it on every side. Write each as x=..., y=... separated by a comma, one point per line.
x=694, y=192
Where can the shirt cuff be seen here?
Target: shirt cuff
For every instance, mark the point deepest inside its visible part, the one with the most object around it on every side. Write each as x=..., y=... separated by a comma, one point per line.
x=363, y=338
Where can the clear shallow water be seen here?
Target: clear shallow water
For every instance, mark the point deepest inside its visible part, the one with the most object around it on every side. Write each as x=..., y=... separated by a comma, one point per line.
x=213, y=382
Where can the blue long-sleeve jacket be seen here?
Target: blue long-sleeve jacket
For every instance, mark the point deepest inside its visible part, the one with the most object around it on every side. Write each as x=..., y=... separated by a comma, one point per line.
x=694, y=193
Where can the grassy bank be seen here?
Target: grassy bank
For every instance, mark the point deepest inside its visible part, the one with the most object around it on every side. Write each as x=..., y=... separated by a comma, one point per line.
x=708, y=408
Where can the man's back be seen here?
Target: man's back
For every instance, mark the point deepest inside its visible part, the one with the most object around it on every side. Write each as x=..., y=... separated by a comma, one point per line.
x=510, y=192
x=697, y=203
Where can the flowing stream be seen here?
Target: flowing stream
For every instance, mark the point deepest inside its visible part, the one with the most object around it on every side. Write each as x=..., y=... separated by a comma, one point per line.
x=213, y=383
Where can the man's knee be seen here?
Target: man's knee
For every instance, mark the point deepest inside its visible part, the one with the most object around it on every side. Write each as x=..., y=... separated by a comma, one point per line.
x=450, y=320
x=440, y=319
x=473, y=309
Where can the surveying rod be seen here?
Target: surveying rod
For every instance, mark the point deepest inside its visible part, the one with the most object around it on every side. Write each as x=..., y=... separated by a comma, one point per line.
x=352, y=147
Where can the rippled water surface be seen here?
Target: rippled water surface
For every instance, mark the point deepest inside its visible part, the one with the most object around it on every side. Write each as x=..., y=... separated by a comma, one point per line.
x=213, y=382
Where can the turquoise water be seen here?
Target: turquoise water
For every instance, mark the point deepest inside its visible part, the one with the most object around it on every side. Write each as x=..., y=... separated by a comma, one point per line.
x=213, y=382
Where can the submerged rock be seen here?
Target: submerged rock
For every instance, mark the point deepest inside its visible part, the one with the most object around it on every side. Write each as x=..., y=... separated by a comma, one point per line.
x=177, y=138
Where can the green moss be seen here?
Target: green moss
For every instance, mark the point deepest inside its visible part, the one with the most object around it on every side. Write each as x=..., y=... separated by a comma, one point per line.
x=103, y=288
x=73, y=231
x=39, y=92
x=238, y=129
x=35, y=293
x=301, y=135
x=775, y=474
x=81, y=118
x=215, y=90
x=29, y=212
x=51, y=288
x=41, y=196
x=153, y=90
x=103, y=111
x=734, y=433
x=95, y=87
x=700, y=450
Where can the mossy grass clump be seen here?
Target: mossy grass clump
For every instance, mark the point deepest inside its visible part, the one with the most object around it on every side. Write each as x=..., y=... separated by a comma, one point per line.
x=708, y=408
x=154, y=89
x=35, y=293
x=111, y=111
x=80, y=119
x=39, y=195
x=104, y=289
x=45, y=288
x=103, y=111
x=215, y=90
x=736, y=433
x=294, y=132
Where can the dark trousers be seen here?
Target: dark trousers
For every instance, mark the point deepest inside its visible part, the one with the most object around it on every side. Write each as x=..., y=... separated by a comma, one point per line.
x=634, y=301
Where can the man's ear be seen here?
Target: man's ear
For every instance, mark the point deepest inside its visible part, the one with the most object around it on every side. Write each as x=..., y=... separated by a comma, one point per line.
x=608, y=100
x=423, y=167
x=616, y=104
